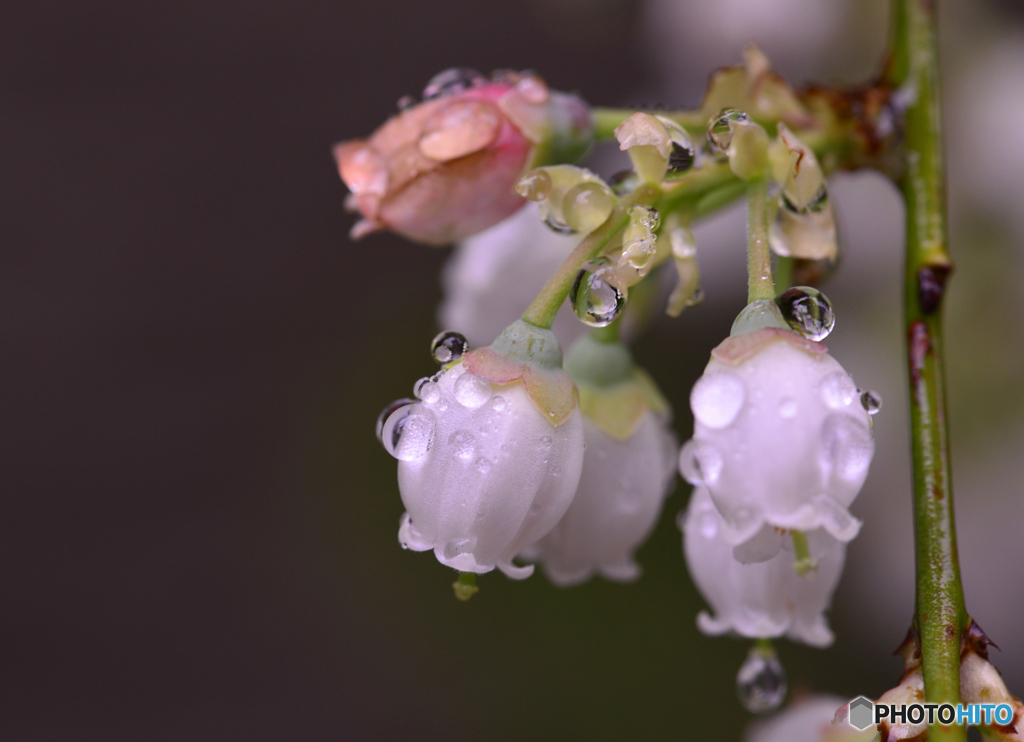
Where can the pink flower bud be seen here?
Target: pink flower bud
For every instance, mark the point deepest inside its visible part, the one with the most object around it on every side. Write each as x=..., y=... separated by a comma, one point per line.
x=446, y=168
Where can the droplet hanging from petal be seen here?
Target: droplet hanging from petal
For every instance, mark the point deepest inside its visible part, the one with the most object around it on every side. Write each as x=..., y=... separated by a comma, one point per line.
x=761, y=681
x=808, y=311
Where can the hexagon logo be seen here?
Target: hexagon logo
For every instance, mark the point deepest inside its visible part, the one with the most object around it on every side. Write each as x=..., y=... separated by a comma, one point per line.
x=861, y=713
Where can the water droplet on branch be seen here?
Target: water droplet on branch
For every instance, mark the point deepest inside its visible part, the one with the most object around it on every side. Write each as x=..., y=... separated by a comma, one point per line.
x=596, y=302
x=720, y=129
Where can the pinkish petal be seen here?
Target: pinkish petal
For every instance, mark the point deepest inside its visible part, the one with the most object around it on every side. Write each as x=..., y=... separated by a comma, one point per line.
x=460, y=128
x=737, y=348
x=493, y=366
x=553, y=392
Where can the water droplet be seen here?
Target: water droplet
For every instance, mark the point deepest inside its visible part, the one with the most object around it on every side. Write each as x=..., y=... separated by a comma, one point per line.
x=498, y=404
x=595, y=301
x=624, y=182
x=448, y=346
x=463, y=445
x=700, y=463
x=846, y=447
x=535, y=185
x=717, y=398
x=761, y=681
x=452, y=81
x=554, y=223
x=788, y=408
x=871, y=401
x=586, y=206
x=808, y=311
x=427, y=390
x=442, y=404
x=720, y=129
x=386, y=413
x=408, y=431
x=471, y=391
x=545, y=443
x=406, y=102
x=838, y=390
x=483, y=465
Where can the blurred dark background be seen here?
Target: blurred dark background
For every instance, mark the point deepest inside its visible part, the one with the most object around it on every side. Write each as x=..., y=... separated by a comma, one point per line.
x=198, y=532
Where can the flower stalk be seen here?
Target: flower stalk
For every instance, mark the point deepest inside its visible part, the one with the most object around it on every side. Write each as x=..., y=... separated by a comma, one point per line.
x=759, y=259
x=940, y=614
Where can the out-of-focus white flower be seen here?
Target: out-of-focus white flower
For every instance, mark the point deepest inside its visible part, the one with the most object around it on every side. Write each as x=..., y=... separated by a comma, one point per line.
x=628, y=469
x=492, y=276
x=500, y=454
x=780, y=435
x=763, y=600
x=806, y=720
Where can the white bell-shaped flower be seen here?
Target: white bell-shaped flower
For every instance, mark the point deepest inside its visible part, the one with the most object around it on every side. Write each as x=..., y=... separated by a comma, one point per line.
x=781, y=435
x=628, y=469
x=763, y=600
x=504, y=454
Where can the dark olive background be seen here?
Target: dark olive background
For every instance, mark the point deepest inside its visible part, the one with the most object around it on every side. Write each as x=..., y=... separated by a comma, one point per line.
x=198, y=537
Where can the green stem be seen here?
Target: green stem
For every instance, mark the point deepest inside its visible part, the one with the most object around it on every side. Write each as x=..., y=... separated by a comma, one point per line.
x=759, y=259
x=803, y=561
x=940, y=613
x=542, y=310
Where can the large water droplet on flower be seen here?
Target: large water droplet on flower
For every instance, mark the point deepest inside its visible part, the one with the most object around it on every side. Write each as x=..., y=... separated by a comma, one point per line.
x=871, y=401
x=452, y=81
x=427, y=390
x=386, y=413
x=463, y=445
x=471, y=391
x=761, y=681
x=407, y=431
x=808, y=311
x=448, y=346
x=700, y=463
x=586, y=206
x=717, y=398
x=720, y=129
x=846, y=447
x=595, y=301
x=838, y=390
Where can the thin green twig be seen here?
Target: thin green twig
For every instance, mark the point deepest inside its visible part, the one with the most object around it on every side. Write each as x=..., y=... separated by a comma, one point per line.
x=940, y=613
